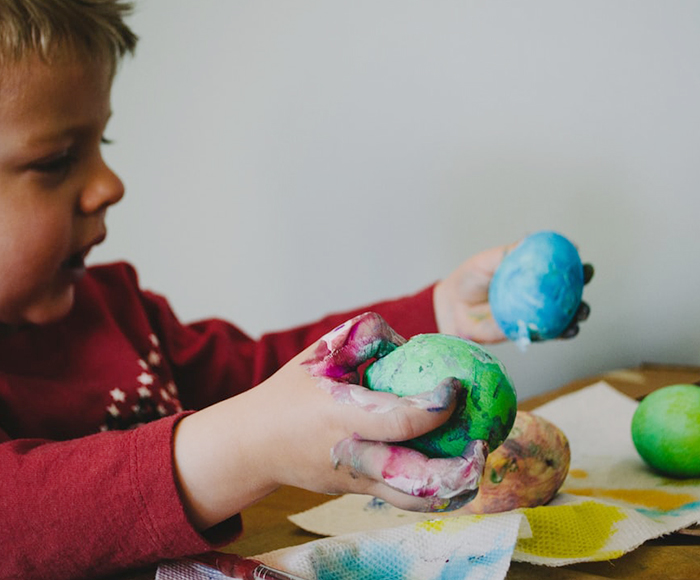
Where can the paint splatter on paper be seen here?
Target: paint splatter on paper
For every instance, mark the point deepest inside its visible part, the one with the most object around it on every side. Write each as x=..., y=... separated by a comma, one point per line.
x=612, y=504
x=448, y=549
x=609, y=493
x=660, y=500
x=572, y=531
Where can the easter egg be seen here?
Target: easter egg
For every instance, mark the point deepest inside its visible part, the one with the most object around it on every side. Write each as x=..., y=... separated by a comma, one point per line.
x=537, y=289
x=486, y=406
x=666, y=430
x=527, y=470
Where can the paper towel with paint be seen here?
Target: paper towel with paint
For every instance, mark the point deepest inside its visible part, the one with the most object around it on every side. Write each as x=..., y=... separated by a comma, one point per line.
x=462, y=547
x=611, y=502
x=469, y=547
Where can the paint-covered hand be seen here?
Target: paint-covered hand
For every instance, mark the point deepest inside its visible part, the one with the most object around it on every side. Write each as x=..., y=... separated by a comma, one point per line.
x=462, y=299
x=355, y=427
x=312, y=425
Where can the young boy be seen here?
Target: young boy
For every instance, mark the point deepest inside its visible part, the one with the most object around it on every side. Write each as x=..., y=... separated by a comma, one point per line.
x=104, y=465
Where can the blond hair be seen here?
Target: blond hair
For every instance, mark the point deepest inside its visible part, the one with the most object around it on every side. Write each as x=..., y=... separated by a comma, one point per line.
x=50, y=29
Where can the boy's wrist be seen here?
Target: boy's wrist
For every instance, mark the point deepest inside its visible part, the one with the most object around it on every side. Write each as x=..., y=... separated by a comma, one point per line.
x=212, y=466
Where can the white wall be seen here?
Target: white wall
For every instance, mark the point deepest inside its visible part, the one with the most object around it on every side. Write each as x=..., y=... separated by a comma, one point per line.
x=287, y=159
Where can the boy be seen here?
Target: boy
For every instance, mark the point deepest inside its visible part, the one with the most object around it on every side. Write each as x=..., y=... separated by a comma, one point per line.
x=103, y=463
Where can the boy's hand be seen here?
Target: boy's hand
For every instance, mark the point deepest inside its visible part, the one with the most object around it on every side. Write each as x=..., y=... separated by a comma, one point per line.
x=462, y=299
x=311, y=425
x=397, y=474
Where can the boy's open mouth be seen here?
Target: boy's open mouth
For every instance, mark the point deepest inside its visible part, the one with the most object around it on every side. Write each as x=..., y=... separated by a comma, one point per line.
x=75, y=261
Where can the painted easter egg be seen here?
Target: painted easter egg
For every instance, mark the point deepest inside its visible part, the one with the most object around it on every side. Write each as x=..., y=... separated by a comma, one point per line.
x=527, y=470
x=537, y=289
x=666, y=430
x=487, y=405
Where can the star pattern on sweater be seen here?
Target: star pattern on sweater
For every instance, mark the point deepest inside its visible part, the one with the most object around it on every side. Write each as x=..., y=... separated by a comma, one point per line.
x=152, y=395
x=118, y=395
x=153, y=358
x=145, y=378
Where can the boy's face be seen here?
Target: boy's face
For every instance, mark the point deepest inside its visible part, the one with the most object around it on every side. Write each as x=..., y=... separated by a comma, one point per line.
x=54, y=185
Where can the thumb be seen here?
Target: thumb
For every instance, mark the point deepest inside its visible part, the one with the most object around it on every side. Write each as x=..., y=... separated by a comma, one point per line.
x=380, y=416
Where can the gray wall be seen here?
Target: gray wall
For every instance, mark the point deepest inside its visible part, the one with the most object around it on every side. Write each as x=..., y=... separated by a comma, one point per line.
x=287, y=159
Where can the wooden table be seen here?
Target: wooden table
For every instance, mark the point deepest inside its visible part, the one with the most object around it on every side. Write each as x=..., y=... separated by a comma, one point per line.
x=674, y=557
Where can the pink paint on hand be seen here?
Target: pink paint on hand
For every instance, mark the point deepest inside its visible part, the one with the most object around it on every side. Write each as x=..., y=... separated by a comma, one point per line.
x=445, y=483
x=443, y=478
x=450, y=482
x=354, y=342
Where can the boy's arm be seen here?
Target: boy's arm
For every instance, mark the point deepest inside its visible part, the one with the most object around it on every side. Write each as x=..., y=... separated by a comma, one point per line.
x=407, y=315
x=311, y=425
x=92, y=506
x=214, y=359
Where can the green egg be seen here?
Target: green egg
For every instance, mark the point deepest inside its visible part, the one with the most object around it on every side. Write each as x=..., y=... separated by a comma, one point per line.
x=666, y=430
x=486, y=408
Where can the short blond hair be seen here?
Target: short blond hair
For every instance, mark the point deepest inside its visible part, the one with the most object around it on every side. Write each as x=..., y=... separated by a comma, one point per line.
x=91, y=29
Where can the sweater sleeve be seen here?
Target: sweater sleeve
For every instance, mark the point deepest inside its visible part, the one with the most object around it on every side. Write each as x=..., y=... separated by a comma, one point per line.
x=408, y=315
x=92, y=506
x=213, y=359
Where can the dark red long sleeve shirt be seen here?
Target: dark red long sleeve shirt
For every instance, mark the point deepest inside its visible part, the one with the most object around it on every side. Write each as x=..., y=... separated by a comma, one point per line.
x=87, y=411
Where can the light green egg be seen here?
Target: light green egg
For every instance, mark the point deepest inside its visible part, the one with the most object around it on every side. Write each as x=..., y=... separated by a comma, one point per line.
x=666, y=430
x=486, y=408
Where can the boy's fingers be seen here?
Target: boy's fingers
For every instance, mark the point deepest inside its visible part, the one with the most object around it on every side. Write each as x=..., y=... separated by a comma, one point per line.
x=583, y=312
x=488, y=260
x=338, y=354
x=419, y=504
x=388, y=417
x=411, y=472
x=484, y=328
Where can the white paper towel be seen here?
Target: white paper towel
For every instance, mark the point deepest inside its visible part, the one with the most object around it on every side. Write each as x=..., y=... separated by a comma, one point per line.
x=611, y=502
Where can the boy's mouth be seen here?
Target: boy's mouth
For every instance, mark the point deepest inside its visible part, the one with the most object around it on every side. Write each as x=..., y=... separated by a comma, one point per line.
x=74, y=266
x=75, y=263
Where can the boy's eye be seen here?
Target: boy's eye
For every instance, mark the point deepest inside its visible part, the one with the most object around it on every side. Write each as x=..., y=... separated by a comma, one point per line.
x=105, y=141
x=58, y=164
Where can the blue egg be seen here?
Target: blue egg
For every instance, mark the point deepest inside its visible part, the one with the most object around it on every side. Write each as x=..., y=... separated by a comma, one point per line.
x=537, y=289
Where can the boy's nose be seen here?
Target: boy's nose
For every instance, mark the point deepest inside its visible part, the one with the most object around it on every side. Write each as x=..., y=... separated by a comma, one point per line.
x=103, y=190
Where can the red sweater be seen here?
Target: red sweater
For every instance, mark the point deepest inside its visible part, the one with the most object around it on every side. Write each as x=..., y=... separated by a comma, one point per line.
x=87, y=410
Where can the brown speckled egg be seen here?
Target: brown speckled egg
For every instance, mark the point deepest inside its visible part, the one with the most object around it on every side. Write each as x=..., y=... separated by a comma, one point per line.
x=527, y=470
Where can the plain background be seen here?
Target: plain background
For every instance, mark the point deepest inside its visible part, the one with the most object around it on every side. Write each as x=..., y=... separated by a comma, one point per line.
x=288, y=159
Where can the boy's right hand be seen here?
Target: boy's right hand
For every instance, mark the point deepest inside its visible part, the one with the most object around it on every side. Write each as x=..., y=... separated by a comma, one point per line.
x=367, y=422
x=311, y=425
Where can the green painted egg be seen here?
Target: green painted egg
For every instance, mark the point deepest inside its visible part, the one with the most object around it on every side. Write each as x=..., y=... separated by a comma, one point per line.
x=666, y=430
x=486, y=408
